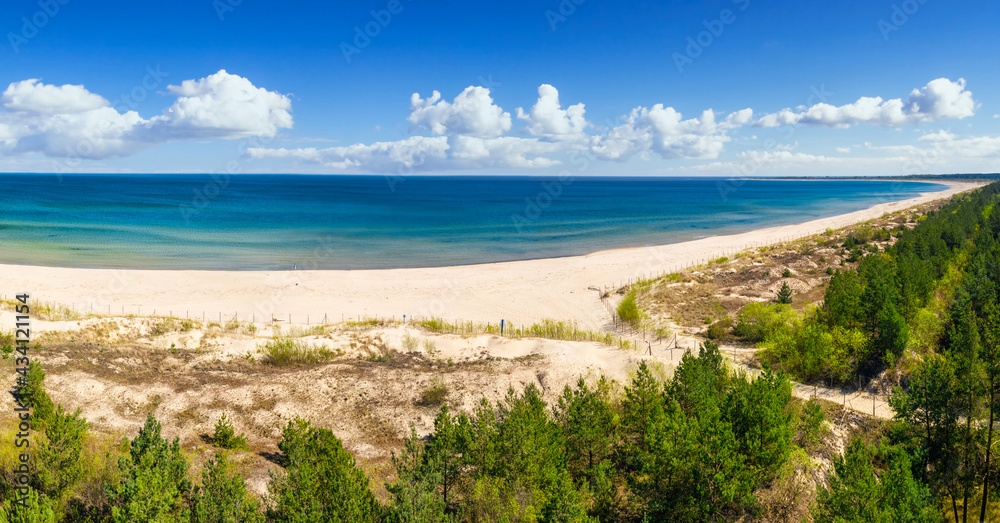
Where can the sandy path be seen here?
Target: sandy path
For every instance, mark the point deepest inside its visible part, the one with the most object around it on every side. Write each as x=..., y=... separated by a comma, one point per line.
x=522, y=291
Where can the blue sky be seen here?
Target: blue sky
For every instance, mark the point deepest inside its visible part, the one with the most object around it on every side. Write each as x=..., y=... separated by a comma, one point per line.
x=604, y=88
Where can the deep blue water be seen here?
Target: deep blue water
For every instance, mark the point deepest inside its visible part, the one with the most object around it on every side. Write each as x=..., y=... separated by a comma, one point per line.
x=275, y=221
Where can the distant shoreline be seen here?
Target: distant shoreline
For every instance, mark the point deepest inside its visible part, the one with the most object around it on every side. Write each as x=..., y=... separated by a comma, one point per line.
x=519, y=291
x=347, y=223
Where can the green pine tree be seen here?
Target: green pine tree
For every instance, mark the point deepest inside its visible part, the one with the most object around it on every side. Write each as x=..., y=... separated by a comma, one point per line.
x=59, y=453
x=153, y=486
x=38, y=510
x=784, y=293
x=857, y=492
x=414, y=494
x=588, y=426
x=322, y=483
x=223, y=496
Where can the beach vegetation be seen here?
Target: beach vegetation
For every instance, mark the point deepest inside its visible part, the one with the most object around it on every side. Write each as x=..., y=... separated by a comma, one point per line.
x=59, y=456
x=298, y=331
x=547, y=328
x=153, y=485
x=367, y=323
x=628, y=310
x=673, y=277
x=409, y=342
x=282, y=352
x=321, y=480
x=434, y=395
x=223, y=495
x=721, y=329
x=224, y=435
x=811, y=429
x=874, y=484
x=758, y=320
x=784, y=294
x=6, y=343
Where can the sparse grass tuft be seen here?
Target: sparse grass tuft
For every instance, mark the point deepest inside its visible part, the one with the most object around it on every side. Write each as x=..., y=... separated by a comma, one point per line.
x=434, y=395
x=550, y=329
x=282, y=352
x=45, y=311
x=295, y=331
x=410, y=343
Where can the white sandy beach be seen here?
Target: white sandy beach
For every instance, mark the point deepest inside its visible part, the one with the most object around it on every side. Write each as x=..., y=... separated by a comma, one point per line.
x=522, y=292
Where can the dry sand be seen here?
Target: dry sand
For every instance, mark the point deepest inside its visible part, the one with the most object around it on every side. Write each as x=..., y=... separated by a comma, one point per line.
x=521, y=292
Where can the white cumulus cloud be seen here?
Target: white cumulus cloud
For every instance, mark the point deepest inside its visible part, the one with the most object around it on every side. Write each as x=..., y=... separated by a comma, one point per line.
x=29, y=96
x=664, y=131
x=71, y=122
x=471, y=113
x=547, y=117
x=223, y=105
x=939, y=99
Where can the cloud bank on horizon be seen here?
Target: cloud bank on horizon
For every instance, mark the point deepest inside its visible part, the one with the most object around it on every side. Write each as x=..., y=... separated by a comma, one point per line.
x=469, y=132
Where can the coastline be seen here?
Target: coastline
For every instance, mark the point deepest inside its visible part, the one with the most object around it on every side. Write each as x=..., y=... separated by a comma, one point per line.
x=518, y=291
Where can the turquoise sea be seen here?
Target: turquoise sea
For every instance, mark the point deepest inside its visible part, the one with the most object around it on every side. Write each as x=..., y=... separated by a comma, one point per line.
x=253, y=222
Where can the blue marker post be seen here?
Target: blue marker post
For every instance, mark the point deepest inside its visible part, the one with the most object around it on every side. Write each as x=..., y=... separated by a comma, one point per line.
x=501, y=327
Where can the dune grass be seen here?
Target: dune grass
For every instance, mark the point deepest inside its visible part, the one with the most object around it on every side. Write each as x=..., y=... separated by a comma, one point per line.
x=282, y=352
x=550, y=329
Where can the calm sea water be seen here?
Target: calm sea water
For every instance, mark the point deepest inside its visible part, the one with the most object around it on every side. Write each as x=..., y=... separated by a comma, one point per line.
x=275, y=221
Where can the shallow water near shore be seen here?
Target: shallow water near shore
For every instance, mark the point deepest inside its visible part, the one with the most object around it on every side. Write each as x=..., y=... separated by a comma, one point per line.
x=263, y=222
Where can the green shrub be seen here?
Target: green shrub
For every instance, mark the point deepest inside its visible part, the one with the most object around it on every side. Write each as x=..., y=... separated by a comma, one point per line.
x=410, y=343
x=59, y=457
x=628, y=310
x=758, y=320
x=926, y=330
x=285, y=351
x=223, y=496
x=787, y=273
x=812, y=428
x=153, y=483
x=321, y=482
x=434, y=395
x=810, y=350
x=721, y=329
x=225, y=435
